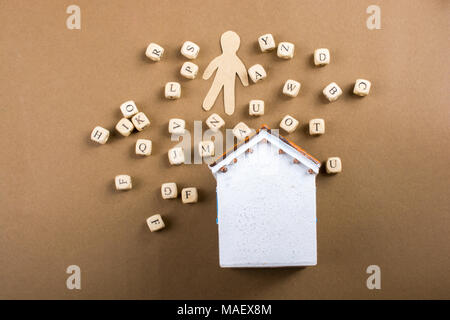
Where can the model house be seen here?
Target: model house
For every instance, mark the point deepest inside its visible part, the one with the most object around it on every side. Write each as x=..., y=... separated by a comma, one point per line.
x=266, y=203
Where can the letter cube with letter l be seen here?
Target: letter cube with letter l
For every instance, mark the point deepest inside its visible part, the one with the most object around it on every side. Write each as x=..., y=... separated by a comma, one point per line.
x=215, y=122
x=123, y=182
x=169, y=190
x=172, y=90
x=291, y=88
x=362, y=87
x=100, y=135
x=334, y=165
x=189, y=195
x=155, y=223
x=332, y=91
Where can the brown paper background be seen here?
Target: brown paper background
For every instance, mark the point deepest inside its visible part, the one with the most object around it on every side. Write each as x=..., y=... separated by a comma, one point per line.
x=389, y=207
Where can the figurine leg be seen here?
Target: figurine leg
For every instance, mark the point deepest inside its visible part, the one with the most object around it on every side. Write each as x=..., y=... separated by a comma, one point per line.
x=212, y=95
x=228, y=97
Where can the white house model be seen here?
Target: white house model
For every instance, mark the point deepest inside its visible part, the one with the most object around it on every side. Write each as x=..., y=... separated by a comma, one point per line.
x=266, y=203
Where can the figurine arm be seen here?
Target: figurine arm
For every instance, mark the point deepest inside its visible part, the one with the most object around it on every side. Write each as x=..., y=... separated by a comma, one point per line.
x=242, y=73
x=212, y=66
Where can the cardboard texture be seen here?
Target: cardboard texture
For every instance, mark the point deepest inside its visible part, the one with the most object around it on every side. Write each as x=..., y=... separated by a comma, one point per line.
x=59, y=207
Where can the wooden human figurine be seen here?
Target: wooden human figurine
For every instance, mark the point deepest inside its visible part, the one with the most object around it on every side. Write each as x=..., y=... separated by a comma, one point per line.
x=228, y=65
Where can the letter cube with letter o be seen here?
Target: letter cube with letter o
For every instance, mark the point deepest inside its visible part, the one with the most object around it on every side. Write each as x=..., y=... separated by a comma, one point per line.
x=289, y=124
x=129, y=109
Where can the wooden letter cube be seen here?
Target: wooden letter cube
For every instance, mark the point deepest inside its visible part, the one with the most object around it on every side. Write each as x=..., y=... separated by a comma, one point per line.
x=169, y=190
x=257, y=73
x=190, y=50
x=241, y=130
x=189, y=195
x=321, y=57
x=206, y=148
x=176, y=156
x=189, y=70
x=316, y=126
x=100, y=135
x=215, y=122
x=172, y=90
x=124, y=127
x=129, y=109
x=266, y=42
x=123, y=182
x=334, y=165
x=332, y=91
x=289, y=124
x=154, y=52
x=143, y=147
x=256, y=107
x=140, y=121
x=177, y=126
x=155, y=223
x=362, y=87
x=291, y=88
x=285, y=50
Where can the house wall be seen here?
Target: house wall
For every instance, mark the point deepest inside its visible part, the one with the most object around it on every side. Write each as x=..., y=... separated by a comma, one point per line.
x=266, y=211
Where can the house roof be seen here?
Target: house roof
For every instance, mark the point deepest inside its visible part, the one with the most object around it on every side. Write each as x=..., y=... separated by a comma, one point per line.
x=265, y=132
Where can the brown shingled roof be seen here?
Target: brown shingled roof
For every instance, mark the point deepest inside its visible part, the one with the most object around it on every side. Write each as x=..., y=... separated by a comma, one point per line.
x=247, y=139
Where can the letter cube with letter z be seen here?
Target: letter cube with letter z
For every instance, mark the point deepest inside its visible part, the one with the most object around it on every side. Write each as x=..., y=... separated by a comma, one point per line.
x=215, y=122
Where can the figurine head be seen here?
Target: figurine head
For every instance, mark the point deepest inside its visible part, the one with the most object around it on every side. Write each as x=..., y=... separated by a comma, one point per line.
x=230, y=42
